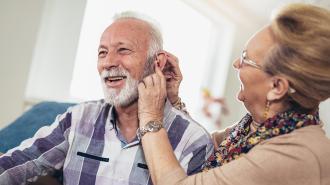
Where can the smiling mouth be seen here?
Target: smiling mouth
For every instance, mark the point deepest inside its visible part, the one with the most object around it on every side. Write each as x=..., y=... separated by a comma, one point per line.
x=114, y=78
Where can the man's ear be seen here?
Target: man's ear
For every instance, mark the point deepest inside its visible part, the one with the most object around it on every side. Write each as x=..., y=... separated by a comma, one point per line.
x=280, y=87
x=161, y=60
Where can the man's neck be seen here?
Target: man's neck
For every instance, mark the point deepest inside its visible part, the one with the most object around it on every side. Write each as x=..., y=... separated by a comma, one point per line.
x=127, y=120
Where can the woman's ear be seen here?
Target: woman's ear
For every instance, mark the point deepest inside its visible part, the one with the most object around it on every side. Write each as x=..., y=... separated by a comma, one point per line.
x=280, y=87
x=161, y=60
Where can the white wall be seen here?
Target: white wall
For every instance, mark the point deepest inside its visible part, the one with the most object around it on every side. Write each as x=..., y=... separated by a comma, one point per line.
x=38, y=45
x=55, y=51
x=236, y=108
x=224, y=82
x=19, y=22
x=325, y=116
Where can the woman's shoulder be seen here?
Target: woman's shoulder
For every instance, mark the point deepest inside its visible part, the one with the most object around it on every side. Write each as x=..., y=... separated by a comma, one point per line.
x=313, y=138
x=309, y=141
x=310, y=137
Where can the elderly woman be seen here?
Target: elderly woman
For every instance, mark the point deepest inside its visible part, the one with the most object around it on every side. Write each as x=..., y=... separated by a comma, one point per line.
x=285, y=73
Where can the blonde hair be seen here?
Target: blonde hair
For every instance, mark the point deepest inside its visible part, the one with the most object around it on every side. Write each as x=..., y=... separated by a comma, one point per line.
x=302, y=53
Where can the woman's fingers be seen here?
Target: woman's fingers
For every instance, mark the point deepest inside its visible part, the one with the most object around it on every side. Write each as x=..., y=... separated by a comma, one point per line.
x=154, y=82
x=160, y=75
x=161, y=81
x=173, y=64
x=215, y=143
x=156, y=79
x=148, y=81
x=173, y=77
x=170, y=55
x=152, y=94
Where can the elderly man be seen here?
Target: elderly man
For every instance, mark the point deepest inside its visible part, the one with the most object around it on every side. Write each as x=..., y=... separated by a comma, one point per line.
x=98, y=142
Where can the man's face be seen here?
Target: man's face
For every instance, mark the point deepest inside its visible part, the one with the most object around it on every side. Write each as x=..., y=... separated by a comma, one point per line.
x=122, y=56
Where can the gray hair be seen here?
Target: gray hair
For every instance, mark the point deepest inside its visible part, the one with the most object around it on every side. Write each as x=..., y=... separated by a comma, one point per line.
x=156, y=40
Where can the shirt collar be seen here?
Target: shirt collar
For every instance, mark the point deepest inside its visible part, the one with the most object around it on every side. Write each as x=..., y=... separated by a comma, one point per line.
x=113, y=115
x=112, y=118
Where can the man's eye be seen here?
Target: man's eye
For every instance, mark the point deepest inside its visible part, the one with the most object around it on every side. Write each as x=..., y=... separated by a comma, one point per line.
x=124, y=50
x=102, y=53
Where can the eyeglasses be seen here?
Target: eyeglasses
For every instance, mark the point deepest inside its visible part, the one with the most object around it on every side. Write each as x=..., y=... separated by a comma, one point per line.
x=244, y=60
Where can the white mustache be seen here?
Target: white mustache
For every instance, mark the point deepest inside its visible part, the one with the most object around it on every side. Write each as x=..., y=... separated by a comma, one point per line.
x=114, y=72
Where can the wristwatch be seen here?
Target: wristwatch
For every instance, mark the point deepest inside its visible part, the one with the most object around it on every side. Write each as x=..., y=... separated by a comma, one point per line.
x=151, y=126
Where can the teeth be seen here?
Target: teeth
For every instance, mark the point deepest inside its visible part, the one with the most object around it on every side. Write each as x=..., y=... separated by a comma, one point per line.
x=115, y=78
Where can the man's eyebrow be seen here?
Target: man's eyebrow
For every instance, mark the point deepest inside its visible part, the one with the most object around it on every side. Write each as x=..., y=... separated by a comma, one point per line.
x=114, y=45
x=119, y=44
x=102, y=47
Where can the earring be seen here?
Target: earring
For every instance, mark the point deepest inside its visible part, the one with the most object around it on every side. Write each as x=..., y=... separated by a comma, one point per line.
x=266, y=110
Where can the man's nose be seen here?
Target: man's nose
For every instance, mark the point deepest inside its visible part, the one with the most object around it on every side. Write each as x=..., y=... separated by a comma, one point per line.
x=110, y=61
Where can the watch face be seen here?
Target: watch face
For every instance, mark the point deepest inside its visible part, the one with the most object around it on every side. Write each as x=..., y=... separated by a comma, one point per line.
x=153, y=126
x=152, y=129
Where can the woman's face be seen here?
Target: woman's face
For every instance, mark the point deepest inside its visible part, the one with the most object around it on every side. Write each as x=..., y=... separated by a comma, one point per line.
x=255, y=83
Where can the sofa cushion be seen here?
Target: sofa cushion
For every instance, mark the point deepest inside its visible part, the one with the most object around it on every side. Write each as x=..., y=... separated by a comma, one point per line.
x=26, y=125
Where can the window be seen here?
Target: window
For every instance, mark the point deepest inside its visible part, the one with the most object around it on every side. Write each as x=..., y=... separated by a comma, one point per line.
x=186, y=33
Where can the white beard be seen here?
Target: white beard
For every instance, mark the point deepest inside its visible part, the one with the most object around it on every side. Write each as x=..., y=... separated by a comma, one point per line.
x=127, y=95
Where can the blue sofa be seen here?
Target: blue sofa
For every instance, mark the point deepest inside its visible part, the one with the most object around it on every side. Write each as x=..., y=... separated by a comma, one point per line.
x=26, y=125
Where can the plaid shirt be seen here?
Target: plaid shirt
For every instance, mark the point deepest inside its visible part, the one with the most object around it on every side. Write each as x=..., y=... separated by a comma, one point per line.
x=87, y=144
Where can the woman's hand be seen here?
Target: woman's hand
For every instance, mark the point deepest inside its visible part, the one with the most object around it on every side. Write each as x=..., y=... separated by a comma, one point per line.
x=220, y=135
x=217, y=138
x=157, y=149
x=173, y=77
x=152, y=95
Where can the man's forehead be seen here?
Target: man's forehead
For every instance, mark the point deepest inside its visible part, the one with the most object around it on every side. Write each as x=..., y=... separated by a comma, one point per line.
x=128, y=27
x=126, y=31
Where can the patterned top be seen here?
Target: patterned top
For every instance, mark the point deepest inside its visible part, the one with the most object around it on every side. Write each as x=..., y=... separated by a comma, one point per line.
x=86, y=142
x=240, y=140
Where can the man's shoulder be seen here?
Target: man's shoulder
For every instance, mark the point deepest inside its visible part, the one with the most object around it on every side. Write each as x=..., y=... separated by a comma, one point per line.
x=187, y=136
x=87, y=106
x=87, y=111
x=181, y=122
x=181, y=117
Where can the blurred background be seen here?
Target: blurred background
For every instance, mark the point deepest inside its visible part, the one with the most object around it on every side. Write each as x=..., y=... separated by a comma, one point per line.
x=48, y=51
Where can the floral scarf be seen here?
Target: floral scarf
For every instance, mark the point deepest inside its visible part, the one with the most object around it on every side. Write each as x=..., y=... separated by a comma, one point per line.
x=240, y=141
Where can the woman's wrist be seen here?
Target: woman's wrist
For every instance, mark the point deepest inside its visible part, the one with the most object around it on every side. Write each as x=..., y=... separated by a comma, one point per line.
x=173, y=99
x=156, y=146
x=144, y=120
x=179, y=105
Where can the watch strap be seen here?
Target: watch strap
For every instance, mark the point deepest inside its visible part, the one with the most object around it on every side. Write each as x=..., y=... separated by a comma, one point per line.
x=151, y=126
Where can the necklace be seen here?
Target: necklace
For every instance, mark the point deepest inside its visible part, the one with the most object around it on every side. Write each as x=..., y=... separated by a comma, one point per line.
x=254, y=126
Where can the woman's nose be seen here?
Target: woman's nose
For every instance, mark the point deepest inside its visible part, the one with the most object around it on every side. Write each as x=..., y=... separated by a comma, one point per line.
x=236, y=63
